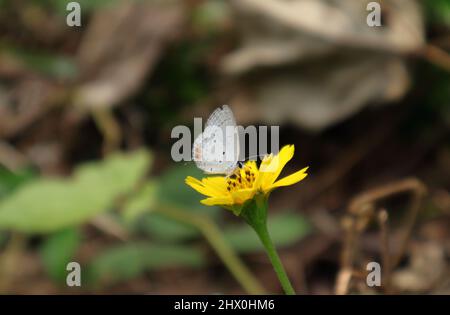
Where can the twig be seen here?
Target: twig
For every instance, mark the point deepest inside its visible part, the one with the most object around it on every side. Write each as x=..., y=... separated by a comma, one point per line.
x=385, y=253
x=347, y=253
x=110, y=129
x=108, y=225
x=353, y=227
x=436, y=56
x=412, y=185
x=343, y=281
x=361, y=212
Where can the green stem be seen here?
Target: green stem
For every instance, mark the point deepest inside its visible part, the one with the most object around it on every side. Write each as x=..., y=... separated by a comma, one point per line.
x=256, y=216
x=264, y=236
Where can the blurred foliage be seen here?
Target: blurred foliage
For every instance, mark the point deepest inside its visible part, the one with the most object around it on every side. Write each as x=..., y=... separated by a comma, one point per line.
x=430, y=107
x=438, y=11
x=94, y=187
x=58, y=250
x=65, y=202
x=183, y=69
x=173, y=190
x=87, y=5
x=51, y=65
x=211, y=16
x=124, y=262
x=168, y=190
x=285, y=229
x=438, y=96
x=3, y=239
x=140, y=202
x=9, y=181
x=183, y=77
x=159, y=227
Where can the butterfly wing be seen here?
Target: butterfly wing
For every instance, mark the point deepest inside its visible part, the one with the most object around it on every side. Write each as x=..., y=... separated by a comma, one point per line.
x=221, y=117
x=216, y=150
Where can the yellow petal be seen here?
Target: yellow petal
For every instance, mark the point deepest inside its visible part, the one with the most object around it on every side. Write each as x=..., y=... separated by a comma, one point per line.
x=218, y=184
x=289, y=180
x=273, y=167
x=260, y=175
x=266, y=162
x=218, y=201
x=210, y=187
x=198, y=186
x=242, y=195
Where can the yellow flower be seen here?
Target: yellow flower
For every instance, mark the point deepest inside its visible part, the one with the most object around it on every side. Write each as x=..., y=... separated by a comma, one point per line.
x=233, y=191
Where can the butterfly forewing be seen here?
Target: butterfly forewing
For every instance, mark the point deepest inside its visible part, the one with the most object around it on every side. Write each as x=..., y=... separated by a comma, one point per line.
x=216, y=150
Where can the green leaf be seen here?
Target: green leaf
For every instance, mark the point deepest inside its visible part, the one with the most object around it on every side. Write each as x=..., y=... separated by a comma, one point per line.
x=115, y=175
x=166, y=229
x=47, y=205
x=285, y=229
x=128, y=261
x=9, y=181
x=140, y=202
x=438, y=11
x=58, y=250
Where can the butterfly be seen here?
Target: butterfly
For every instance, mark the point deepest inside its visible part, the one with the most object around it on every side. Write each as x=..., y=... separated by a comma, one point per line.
x=216, y=150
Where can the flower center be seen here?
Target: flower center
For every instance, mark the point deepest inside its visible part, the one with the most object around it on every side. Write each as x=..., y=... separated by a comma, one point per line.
x=242, y=178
